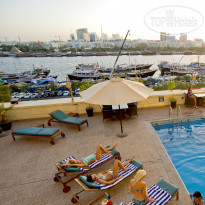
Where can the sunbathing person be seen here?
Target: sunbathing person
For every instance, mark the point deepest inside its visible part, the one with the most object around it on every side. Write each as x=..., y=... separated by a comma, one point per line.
x=89, y=159
x=111, y=175
x=190, y=95
x=198, y=200
x=139, y=188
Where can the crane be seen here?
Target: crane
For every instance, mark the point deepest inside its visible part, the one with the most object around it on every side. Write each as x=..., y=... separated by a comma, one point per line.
x=59, y=39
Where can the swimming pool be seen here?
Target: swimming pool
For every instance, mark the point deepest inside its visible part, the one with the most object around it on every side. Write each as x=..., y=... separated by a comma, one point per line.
x=185, y=145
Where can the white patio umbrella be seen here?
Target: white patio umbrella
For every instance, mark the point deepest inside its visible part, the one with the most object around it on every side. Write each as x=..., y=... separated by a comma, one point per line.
x=115, y=92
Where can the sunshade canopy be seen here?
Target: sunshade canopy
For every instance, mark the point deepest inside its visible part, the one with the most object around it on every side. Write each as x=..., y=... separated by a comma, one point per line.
x=115, y=92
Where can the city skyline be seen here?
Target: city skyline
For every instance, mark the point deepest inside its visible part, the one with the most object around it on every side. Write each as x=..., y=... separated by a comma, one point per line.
x=45, y=20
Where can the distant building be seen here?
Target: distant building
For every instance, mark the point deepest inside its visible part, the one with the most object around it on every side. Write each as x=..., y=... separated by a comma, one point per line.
x=166, y=36
x=75, y=44
x=86, y=37
x=162, y=36
x=72, y=37
x=169, y=37
x=116, y=36
x=183, y=37
x=93, y=37
x=104, y=37
x=82, y=34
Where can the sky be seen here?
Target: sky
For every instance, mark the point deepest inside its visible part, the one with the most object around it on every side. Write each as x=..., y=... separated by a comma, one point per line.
x=45, y=20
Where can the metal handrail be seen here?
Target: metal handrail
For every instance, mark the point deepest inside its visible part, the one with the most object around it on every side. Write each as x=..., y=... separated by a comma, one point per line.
x=171, y=113
x=179, y=108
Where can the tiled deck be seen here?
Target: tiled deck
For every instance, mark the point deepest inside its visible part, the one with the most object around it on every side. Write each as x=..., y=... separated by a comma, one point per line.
x=27, y=165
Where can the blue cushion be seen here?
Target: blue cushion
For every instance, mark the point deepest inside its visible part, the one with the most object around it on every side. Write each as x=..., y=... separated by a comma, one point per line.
x=28, y=130
x=168, y=187
x=73, y=120
x=59, y=115
x=136, y=164
x=89, y=184
x=48, y=131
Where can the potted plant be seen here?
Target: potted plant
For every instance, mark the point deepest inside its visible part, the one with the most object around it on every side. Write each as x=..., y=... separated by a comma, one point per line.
x=5, y=96
x=173, y=102
x=171, y=86
x=89, y=111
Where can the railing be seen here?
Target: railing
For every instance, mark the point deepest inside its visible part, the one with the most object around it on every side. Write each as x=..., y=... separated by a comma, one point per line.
x=171, y=114
x=180, y=112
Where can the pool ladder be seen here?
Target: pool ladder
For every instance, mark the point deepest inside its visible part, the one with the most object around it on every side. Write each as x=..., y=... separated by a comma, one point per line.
x=178, y=113
x=171, y=114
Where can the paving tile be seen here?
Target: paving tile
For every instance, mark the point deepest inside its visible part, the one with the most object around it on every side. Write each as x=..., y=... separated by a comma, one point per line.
x=27, y=165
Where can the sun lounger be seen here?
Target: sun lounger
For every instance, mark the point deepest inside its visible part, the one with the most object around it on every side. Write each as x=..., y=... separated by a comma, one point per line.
x=163, y=192
x=81, y=171
x=60, y=117
x=38, y=132
x=106, y=189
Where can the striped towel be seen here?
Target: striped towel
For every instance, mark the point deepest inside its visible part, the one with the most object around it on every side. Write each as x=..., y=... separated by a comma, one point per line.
x=122, y=173
x=104, y=158
x=72, y=157
x=159, y=194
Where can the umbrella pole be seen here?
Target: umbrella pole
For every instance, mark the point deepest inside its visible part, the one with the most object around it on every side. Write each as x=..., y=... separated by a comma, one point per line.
x=120, y=120
x=121, y=134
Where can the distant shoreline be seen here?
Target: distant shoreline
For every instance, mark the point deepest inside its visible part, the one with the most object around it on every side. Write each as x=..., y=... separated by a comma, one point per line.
x=146, y=53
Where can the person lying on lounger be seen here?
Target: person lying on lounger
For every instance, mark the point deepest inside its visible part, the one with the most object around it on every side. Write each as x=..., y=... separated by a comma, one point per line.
x=139, y=188
x=111, y=175
x=89, y=159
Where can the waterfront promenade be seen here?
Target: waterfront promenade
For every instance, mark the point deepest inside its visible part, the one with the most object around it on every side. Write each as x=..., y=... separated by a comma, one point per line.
x=27, y=165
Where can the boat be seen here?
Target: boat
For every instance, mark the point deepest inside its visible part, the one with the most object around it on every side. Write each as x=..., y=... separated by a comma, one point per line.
x=43, y=72
x=176, y=69
x=142, y=73
x=142, y=70
x=24, y=77
x=27, y=76
x=86, y=71
x=95, y=72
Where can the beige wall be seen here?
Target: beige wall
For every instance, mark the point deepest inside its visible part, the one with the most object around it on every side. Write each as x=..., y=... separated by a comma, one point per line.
x=42, y=108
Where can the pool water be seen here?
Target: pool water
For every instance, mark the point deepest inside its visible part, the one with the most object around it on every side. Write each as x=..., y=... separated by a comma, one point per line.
x=185, y=145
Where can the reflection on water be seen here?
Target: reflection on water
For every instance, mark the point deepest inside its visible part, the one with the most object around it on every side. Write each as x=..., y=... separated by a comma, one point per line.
x=61, y=66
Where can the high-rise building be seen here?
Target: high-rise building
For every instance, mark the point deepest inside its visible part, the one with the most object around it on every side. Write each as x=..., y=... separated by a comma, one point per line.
x=183, y=37
x=72, y=37
x=81, y=32
x=169, y=37
x=162, y=36
x=93, y=37
x=166, y=36
x=86, y=37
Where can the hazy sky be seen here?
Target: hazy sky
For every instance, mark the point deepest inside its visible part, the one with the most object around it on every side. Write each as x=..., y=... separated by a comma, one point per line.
x=44, y=19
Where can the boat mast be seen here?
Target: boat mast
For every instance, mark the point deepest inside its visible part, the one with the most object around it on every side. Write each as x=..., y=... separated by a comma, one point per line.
x=118, y=55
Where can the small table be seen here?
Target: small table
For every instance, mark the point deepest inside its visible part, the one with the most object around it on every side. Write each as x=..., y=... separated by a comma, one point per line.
x=122, y=106
x=200, y=95
x=200, y=98
x=120, y=114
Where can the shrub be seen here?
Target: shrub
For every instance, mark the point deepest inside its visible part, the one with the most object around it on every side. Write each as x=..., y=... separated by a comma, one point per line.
x=171, y=85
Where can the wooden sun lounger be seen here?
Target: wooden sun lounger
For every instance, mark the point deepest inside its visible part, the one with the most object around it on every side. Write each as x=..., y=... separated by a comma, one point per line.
x=25, y=134
x=76, y=198
x=57, y=119
x=64, y=172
